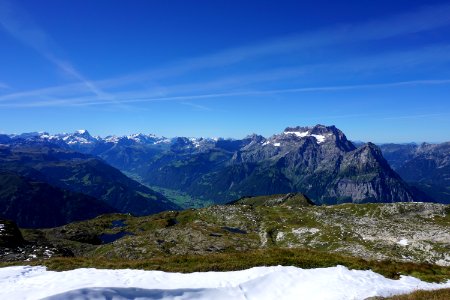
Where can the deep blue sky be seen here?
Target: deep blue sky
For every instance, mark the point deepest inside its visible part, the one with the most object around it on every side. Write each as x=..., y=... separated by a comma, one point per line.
x=378, y=70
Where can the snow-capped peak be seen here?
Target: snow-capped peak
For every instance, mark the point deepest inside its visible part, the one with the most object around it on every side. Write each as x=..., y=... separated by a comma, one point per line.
x=81, y=136
x=82, y=131
x=298, y=133
x=302, y=132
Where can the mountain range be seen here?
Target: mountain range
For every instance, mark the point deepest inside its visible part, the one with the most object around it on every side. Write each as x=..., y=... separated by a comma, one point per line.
x=130, y=174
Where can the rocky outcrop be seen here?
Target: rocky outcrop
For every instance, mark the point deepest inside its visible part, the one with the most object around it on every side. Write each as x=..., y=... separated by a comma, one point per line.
x=13, y=247
x=10, y=235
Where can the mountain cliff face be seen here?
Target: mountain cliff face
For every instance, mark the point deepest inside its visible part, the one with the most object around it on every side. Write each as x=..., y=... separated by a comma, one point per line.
x=425, y=166
x=318, y=161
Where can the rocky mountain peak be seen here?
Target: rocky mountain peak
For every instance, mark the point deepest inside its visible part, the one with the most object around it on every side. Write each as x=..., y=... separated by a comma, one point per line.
x=82, y=132
x=81, y=136
x=322, y=135
x=254, y=137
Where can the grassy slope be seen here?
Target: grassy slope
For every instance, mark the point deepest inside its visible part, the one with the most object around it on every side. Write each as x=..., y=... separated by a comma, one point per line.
x=443, y=294
x=370, y=231
x=302, y=258
x=181, y=199
x=241, y=236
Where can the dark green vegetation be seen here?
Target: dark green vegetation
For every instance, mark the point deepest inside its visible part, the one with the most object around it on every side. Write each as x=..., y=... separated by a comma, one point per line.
x=232, y=261
x=289, y=200
x=182, y=199
x=425, y=166
x=443, y=294
x=46, y=185
x=32, y=203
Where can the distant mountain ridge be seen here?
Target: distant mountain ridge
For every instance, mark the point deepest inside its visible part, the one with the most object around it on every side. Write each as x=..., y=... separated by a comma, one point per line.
x=318, y=161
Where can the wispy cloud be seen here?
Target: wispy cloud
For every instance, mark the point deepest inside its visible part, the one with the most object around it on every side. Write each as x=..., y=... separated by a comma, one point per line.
x=21, y=26
x=418, y=116
x=282, y=91
x=242, y=83
x=386, y=62
x=4, y=86
x=183, y=99
x=196, y=106
x=427, y=18
x=88, y=92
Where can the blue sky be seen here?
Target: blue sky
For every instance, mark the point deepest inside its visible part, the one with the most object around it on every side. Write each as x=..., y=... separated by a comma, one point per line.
x=378, y=70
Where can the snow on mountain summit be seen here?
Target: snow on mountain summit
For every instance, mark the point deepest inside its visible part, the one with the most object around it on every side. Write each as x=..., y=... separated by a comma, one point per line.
x=81, y=136
x=320, y=132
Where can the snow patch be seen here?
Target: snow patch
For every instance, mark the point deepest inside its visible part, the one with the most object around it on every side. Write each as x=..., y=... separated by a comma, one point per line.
x=270, y=143
x=403, y=242
x=319, y=137
x=195, y=142
x=24, y=282
x=298, y=133
x=163, y=140
x=112, y=139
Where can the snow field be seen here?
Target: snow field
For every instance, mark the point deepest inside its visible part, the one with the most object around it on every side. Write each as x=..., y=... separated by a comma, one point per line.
x=24, y=282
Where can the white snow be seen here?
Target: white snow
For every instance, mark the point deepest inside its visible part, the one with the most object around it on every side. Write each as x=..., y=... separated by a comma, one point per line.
x=195, y=141
x=112, y=139
x=320, y=138
x=260, y=283
x=403, y=242
x=163, y=140
x=298, y=133
x=271, y=143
